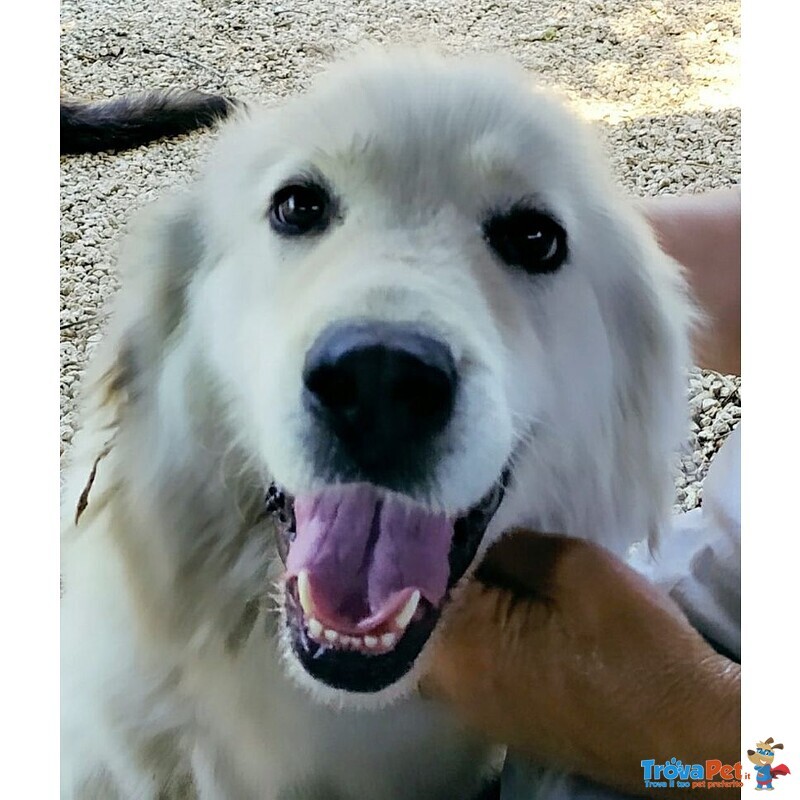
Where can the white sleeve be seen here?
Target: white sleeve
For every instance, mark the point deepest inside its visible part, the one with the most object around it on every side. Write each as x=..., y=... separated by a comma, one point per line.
x=699, y=560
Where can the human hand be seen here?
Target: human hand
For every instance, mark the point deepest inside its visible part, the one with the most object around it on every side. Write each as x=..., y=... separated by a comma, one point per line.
x=567, y=655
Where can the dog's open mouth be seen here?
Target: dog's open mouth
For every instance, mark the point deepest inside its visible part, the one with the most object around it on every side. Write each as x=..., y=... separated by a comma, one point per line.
x=367, y=575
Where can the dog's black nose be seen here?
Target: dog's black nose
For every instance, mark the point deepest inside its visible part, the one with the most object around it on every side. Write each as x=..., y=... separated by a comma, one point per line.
x=384, y=390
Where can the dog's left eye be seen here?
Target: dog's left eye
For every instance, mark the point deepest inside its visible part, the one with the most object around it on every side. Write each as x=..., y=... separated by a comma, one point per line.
x=300, y=208
x=528, y=239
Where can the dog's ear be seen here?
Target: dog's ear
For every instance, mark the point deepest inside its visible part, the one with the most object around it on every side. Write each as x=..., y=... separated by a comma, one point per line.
x=650, y=315
x=159, y=254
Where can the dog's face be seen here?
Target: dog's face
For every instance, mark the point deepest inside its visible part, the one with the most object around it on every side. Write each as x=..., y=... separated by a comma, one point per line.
x=420, y=292
x=764, y=753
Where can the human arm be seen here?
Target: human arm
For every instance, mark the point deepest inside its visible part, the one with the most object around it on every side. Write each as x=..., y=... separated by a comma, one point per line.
x=574, y=660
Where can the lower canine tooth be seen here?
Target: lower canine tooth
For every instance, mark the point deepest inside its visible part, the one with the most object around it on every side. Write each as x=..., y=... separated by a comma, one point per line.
x=388, y=639
x=304, y=593
x=404, y=617
x=315, y=627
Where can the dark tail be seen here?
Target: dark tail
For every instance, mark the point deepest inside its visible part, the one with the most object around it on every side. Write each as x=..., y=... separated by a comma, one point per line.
x=136, y=120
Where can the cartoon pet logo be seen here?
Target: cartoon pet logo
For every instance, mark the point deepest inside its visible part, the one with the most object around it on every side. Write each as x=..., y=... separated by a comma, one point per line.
x=762, y=757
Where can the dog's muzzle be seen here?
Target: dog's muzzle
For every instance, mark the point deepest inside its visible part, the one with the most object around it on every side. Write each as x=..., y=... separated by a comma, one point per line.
x=368, y=568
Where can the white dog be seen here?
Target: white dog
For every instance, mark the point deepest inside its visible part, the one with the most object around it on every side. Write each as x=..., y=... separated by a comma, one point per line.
x=396, y=316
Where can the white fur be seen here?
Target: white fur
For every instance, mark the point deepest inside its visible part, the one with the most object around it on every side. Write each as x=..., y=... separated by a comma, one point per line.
x=577, y=375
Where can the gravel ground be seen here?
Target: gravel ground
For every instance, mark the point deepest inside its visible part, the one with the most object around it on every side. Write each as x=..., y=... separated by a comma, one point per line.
x=659, y=77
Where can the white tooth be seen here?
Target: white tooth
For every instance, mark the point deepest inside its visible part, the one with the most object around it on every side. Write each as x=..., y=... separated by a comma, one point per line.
x=357, y=641
x=304, y=593
x=344, y=640
x=388, y=639
x=371, y=641
x=404, y=617
x=314, y=627
x=330, y=635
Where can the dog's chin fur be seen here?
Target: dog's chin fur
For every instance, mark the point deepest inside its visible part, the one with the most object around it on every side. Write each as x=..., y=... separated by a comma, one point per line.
x=192, y=409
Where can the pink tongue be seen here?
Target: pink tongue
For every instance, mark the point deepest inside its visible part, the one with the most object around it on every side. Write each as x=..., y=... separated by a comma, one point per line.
x=365, y=553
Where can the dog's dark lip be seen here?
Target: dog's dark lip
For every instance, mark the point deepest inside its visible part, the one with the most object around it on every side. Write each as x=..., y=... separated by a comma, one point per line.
x=355, y=671
x=350, y=670
x=280, y=506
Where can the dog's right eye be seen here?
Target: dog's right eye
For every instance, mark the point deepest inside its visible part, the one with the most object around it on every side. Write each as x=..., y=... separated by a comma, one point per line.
x=299, y=209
